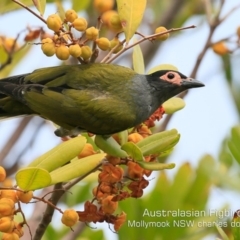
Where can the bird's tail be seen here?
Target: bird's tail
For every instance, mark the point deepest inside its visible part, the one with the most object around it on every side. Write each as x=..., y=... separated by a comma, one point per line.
x=10, y=106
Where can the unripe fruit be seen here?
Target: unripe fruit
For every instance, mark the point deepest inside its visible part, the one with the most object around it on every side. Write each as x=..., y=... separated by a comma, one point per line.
x=48, y=47
x=11, y=194
x=2, y=174
x=113, y=43
x=103, y=5
x=220, y=48
x=109, y=206
x=62, y=52
x=71, y=15
x=92, y=33
x=75, y=50
x=103, y=43
x=161, y=37
x=6, y=207
x=86, y=52
x=80, y=24
x=106, y=16
x=6, y=224
x=135, y=137
x=25, y=197
x=69, y=217
x=115, y=23
x=87, y=151
x=54, y=22
x=10, y=236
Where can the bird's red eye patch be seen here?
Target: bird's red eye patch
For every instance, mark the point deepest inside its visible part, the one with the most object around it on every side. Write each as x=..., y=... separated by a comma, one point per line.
x=172, y=77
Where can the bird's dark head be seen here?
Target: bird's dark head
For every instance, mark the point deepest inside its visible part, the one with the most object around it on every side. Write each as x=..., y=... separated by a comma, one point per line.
x=168, y=83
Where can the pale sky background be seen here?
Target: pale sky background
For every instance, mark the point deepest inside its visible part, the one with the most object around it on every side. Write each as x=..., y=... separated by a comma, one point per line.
x=203, y=123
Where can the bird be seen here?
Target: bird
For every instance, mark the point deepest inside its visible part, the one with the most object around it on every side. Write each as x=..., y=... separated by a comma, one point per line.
x=99, y=98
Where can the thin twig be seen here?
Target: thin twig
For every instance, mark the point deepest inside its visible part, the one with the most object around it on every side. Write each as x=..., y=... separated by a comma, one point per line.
x=30, y=10
x=142, y=40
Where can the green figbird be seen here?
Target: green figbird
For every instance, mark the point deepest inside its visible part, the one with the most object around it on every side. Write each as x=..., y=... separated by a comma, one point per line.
x=99, y=98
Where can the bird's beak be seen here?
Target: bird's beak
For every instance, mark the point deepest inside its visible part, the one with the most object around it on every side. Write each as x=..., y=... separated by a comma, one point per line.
x=191, y=83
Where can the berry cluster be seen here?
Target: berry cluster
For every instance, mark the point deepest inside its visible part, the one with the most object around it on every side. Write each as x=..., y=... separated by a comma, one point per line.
x=11, y=229
x=119, y=179
x=64, y=44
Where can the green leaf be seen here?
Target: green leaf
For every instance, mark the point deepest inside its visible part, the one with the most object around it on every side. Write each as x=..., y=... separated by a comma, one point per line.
x=130, y=14
x=60, y=154
x=155, y=166
x=110, y=146
x=222, y=233
x=133, y=151
x=173, y=105
x=159, y=142
x=40, y=5
x=33, y=178
x=138, y=62
x=80, y=5
x=76, y=168
x=233, y=143
x=122, y=137
x=162, y=67
x=17, y=57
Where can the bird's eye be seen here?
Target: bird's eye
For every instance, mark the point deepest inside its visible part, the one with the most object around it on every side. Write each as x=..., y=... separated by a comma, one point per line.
x=170, y=75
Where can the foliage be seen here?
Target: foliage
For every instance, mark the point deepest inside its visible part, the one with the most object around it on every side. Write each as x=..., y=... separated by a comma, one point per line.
x=73, y=163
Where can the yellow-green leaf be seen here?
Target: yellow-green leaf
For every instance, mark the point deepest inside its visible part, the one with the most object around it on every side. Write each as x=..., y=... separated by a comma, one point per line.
x=76, y=168
x=138, y=62
x=133, y=151
x=159, y=142
x=33, y=178
x=40, y=5
x=162, y=67
x=173, y=104
x=130, y=14
x=156, y=166
x=110, y=146
x=60, y=154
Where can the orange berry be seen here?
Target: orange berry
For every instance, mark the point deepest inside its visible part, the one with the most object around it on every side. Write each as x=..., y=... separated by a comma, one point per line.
x=9, y=43
x=109, y=206
x=7, y=207
x=10, y=236
x=71, y=15
x=2, y=174
x=25, y=197
x=86, y=52
x=11, y=194
x=6, y=224
x=48, y=47
x=70, y=217
x=87, y=151
x=92, y=33
x=62, y=52
x=54, y=22
x=134, y=137
x=18, y=229
x=103, y=43
x=120, y=221
x=103, y=5
x=75, y=50
x=161, y=37
x=134, y=170
x=80, y=24
x=220, y=48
